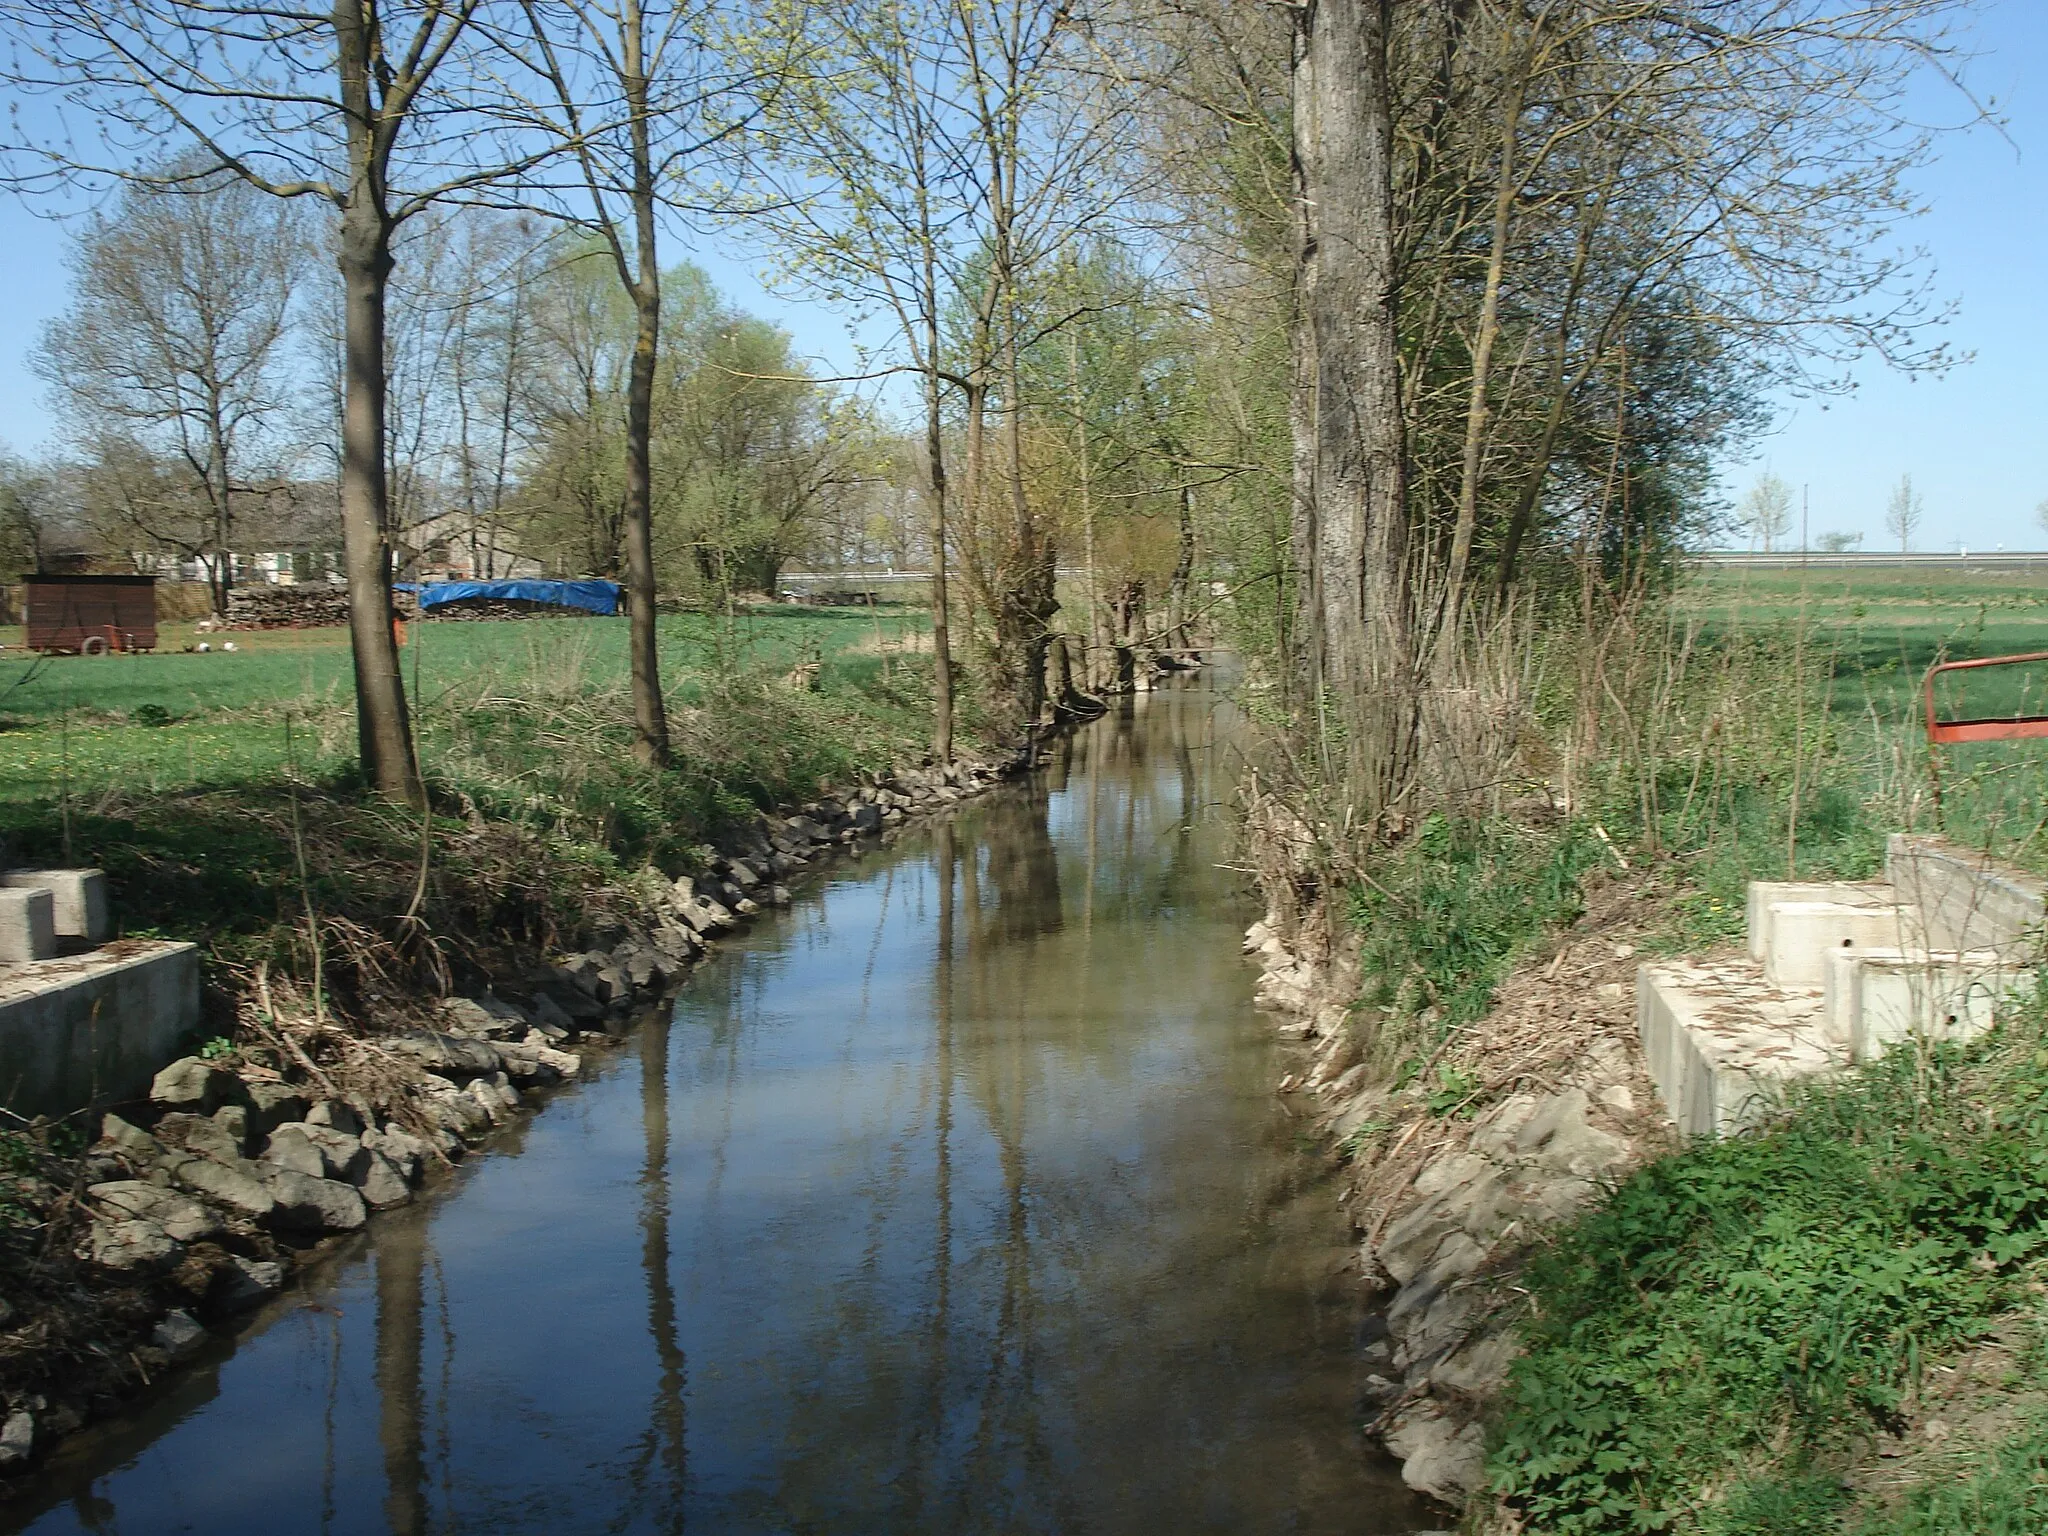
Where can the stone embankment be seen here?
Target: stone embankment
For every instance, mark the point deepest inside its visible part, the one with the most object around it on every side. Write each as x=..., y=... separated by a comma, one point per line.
x=237, y=1173
x=1515, y=1124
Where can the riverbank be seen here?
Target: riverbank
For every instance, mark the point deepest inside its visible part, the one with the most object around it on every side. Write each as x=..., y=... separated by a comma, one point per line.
x=963, y=1176
x=385, y=989
x=1831, y=1325
x=248, y=1161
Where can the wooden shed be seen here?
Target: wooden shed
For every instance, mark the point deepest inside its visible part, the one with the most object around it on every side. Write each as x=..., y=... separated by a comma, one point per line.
x=90, y=615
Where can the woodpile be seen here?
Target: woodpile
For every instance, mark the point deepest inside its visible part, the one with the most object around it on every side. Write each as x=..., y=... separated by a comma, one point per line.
x=287, y=607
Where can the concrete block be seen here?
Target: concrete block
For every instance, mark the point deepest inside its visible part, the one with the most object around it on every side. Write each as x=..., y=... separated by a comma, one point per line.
x=1877, y=998
x=80, y=898
x=1763, y=894
x=1799, y=936
x=28, y=925
x=1967, y=899
x=1721, y=1042
x=94, y=1028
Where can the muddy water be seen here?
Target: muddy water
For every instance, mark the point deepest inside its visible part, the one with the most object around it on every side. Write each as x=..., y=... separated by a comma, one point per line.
x=957, y=1200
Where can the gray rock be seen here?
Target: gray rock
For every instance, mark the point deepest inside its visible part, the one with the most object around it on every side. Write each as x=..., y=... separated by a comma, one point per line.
x=534, y=1061
x=643, y=968
x=201, y=1135
x=743, y=875
x=406, y=1152
x=318, y=1151
x=240, y=1186
x=178, y=1335
x=805, y=830
x=676, y=941
x=291, y=1147
x=1565, y=1142
x=706, y=916
x=867, y=818
x=451, y=1056
x=133, y=1140
x=192, y=1084
x=17, y=1438
x=382, y=1182
x=457, y=1113
x=778, y=896
x=180, y=1216
x=242, y=1283
x=1440, y=1457
x=1408, y=1242
x=129, y=1245
x=233, y=1119
x=272, y=1105
x=549, y=1015
x=1478, y=1368
x=486, y=1017
x=614, y=986
x=305, y=1204
x=337, y=1115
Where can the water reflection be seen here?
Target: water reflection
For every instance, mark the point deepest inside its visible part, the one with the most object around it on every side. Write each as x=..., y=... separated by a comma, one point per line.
x=956, y=1201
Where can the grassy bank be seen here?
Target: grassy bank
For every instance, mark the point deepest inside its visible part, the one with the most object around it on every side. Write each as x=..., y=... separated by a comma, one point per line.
x=1747, y=1333
x=1835, y=1329
x=217, y=789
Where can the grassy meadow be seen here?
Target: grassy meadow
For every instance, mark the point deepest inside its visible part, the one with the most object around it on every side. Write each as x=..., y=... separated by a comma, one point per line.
x=282, y=700
x=1871, y=636
x=218, y=790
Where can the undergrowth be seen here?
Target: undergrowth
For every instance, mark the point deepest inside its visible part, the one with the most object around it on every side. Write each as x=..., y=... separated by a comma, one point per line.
x=1706, y=1343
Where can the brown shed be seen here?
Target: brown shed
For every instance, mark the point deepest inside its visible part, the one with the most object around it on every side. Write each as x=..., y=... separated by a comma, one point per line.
x=90, y=614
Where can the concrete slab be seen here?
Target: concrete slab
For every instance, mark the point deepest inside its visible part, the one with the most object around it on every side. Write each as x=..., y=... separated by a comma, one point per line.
x=94, y=1028
x=78, y=895
x=1877, y=998
x=1968, y=899
x=1799, y=936
x=1721, y=1041
x=28, y=925
x=1764, y=893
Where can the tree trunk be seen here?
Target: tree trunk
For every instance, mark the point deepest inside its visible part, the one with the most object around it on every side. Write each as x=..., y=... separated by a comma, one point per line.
x=935, y=455
x=383, y=731
x=1358, y=542
x=650, y=714
x=1478, y=405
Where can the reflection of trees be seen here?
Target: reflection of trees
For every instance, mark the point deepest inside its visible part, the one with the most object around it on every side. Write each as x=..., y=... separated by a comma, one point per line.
x=665, y=1440
x=401, y=1273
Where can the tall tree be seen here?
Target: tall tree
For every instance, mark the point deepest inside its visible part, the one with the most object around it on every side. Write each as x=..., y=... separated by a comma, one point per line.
x=175, y=338
x=1351, y=455
x=361, y=107
x=634, y=95
x=1903, y=510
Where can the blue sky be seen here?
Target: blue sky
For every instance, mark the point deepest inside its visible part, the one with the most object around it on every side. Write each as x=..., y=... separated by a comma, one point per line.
x=1973, y=441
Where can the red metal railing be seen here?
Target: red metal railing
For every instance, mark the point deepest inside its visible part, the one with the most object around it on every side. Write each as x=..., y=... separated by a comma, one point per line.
x=2004, y=728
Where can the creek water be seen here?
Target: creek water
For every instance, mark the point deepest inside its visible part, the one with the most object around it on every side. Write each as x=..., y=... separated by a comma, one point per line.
x=955, y=1200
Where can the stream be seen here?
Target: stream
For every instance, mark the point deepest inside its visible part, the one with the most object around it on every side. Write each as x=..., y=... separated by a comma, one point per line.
x=955, y=1200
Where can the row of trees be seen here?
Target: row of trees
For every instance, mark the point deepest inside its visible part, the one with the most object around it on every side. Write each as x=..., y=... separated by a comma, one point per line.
x=1386, y=319
x=196, y=382
x=1765, y=513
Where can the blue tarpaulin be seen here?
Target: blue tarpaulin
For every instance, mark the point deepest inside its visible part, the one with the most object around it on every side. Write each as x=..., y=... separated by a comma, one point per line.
x=597, y=596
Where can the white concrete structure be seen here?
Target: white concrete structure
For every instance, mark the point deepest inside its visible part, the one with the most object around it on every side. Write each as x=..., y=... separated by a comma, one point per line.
x=1839, y=972
x=94, y=1028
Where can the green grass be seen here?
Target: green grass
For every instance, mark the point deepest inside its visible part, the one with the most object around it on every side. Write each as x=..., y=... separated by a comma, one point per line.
x=238, y=810
x=1879, y=632
x=1706, y=1347
x=78, y=724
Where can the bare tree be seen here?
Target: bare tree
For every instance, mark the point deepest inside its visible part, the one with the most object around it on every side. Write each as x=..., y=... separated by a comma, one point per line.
x=632, y=98
x=1766, y=511
x=1902, y=513
x=361, y=107
x=175, y=340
